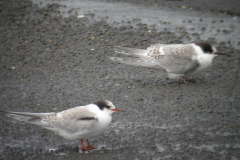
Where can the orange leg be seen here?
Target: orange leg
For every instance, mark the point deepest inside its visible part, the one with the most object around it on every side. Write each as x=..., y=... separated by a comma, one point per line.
x=185, y=81
x=83, y=148
x=90, y=146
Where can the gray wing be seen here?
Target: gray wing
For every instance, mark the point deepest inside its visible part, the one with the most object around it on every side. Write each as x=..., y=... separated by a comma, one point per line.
x=72, y=120
x=174, y=58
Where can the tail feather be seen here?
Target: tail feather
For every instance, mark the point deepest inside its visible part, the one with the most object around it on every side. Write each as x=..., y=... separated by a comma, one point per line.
x=136, y=62
x=131, y=51
x=33, y=118
x=141, y=57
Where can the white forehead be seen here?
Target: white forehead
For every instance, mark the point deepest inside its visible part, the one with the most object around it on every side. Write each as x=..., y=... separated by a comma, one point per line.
x=110, y=104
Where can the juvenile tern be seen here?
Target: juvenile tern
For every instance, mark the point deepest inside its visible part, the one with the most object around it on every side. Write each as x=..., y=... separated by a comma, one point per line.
x=179, y=60
x=81, y=122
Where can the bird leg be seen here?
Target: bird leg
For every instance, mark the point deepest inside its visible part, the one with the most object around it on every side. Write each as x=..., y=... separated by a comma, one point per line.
x=83, y=148
x=185, y=81
x=90, y=146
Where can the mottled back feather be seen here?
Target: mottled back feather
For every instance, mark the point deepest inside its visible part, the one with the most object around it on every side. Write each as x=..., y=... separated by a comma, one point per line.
x=72, y=119
x=174, y=58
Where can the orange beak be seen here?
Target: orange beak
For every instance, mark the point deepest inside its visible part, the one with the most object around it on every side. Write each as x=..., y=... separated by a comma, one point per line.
x=116, y=110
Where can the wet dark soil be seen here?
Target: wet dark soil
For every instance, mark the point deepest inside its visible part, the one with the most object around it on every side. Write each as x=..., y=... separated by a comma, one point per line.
x=51, y=63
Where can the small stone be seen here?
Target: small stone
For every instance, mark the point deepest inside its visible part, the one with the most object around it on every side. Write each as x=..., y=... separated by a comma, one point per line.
x=172, y=102
x=234, y=18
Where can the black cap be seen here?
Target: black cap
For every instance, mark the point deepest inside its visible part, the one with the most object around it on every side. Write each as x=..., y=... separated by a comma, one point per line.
x=206, y=47
x=102, y=104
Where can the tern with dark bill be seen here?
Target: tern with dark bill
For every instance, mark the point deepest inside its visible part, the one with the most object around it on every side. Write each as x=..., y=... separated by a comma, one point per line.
x=82, y=122
x=179, y=60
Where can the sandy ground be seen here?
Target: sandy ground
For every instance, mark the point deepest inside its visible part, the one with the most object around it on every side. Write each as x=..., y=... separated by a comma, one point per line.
x=52, y=60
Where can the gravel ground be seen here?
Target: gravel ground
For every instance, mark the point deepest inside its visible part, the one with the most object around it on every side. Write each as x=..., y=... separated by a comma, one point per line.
x=51, y=62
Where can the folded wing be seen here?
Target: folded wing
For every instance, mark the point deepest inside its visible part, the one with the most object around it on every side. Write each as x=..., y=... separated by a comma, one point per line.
x=175, y=58
x=72, y=120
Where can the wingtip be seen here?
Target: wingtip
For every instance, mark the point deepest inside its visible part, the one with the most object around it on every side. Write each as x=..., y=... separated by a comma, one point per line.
x=112, y=58
x=115, y=59
x=5, y=112
x=116, y=48
x=122, y=50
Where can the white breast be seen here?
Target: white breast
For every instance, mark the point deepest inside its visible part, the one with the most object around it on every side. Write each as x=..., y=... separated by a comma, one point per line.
x=205, y=61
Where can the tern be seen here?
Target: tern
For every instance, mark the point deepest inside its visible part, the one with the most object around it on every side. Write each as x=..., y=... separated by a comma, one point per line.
x=81, y=122
x=179, y=60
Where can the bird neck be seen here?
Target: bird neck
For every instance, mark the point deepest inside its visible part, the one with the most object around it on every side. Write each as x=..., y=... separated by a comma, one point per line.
x=206, y=59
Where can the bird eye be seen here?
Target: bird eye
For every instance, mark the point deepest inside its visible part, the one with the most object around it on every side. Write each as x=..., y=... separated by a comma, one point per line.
x=107, y=107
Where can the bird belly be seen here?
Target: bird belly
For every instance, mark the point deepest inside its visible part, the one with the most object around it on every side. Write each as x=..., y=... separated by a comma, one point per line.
x=174, y=76
x=101, y=125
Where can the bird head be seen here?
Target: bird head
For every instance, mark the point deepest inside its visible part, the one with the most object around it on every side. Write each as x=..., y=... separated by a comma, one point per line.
x=209, y=49
x=107, y=106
